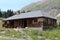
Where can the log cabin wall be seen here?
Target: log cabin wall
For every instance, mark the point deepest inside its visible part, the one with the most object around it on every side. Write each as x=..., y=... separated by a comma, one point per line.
x=46, y=23
x=6, y=24
x=49, y=23
x=17, y=23
x=35, y=22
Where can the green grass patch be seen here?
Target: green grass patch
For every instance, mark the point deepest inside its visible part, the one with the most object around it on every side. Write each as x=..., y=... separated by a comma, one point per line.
x=35, y=34
x=48, y=34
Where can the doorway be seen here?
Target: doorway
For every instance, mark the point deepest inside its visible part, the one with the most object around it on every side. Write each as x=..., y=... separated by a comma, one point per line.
x=12, y=23
x=24, y=23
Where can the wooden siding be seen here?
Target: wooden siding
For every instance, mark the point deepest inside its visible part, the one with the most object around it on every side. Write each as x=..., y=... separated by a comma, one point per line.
x=49, y=23
x=41, y=22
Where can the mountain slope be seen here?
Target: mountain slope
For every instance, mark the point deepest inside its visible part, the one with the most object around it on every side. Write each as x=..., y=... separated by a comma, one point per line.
x=49, y=6
x=42, y=5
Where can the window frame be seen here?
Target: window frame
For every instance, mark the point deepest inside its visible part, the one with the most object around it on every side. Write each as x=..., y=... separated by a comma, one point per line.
x=35, y=21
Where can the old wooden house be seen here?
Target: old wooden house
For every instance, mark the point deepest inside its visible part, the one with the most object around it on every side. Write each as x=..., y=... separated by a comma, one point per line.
x=35, y=19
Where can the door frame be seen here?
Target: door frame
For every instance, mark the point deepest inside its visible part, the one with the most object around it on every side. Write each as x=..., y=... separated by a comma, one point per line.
x=24, y=23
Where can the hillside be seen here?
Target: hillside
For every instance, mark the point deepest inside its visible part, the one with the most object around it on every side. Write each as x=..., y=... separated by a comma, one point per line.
x=51, y=6
x=41, y=5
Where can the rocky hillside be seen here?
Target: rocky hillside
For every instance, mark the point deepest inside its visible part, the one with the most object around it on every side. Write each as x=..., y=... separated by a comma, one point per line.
x=49, y=6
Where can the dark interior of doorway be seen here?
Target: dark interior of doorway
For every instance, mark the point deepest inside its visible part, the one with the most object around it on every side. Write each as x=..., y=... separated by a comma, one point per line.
x=12, y=23
x=24, y=23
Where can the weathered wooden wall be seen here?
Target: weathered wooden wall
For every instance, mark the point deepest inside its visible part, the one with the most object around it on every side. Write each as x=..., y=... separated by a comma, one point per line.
x=41, y=22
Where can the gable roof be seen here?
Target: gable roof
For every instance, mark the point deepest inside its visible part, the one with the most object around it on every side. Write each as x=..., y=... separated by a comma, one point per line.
x=30, y=15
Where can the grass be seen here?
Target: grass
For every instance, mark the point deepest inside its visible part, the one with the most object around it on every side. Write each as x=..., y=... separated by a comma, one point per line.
x=7, y=32
x=0, y=23
x=48, y=34
x=1, y=28
x=11, y=33
x=5, y=39
x=35, y=34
